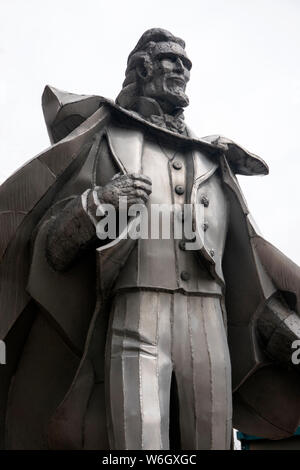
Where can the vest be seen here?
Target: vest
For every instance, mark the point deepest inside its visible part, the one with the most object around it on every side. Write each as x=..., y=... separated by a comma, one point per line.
x=166, y=264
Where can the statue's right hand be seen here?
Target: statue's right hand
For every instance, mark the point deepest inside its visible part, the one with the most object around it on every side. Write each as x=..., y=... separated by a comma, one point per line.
x=135, y=187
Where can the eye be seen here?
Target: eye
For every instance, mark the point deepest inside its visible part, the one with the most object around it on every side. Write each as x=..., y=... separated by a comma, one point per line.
x=185, y=61
x=173, y=57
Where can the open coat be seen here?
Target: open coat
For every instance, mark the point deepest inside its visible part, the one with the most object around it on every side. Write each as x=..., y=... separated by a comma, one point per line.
x=70, y=411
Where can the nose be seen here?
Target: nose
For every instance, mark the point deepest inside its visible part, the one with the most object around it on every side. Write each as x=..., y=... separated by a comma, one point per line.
x=179, y=65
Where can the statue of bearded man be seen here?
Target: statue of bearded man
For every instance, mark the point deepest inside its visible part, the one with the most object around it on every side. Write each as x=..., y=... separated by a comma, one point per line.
x=115, y=342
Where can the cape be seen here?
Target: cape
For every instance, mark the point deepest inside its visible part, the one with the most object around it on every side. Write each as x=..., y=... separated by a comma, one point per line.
x=260, y=269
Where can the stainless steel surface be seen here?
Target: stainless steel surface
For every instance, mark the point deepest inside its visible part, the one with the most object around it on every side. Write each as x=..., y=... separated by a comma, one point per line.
x=151, y=335
x=168, y=320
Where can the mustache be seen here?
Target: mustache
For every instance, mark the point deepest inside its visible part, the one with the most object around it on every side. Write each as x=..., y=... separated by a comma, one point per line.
x=178, y=80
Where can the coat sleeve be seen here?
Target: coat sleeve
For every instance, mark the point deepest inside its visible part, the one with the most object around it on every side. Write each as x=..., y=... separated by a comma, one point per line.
x=279, y=323
x=71, y=231
x=69, y=234
x=67, y=295
x=63, y=261
x=279, y=328
x=283, y=271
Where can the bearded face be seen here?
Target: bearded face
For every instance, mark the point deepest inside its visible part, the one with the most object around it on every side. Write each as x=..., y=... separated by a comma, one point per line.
x=167, y=78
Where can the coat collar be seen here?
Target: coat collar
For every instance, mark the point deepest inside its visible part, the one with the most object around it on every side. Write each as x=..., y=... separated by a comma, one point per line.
x=151, y=111
x=61, y=107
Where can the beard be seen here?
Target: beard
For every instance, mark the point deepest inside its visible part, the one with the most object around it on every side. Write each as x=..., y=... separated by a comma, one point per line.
x=174, y=94
x=168, y=89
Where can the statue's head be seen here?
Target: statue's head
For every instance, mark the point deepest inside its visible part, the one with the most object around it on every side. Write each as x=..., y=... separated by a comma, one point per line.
x=157, y=68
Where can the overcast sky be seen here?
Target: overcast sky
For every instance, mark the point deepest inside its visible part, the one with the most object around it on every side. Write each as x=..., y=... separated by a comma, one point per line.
x=245, y=81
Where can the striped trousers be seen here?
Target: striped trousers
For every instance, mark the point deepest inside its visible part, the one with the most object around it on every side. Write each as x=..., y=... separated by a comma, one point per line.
x=152, y=337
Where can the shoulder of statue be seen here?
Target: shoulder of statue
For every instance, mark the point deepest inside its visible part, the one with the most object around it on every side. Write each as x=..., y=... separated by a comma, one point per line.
x=64, y=111
x=241, y=161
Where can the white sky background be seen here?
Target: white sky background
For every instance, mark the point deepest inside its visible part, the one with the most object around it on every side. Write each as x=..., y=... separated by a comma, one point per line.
x=245, y=81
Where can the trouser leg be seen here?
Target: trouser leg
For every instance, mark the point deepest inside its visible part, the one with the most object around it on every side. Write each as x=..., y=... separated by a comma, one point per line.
x=138, y=371
x=203, y=373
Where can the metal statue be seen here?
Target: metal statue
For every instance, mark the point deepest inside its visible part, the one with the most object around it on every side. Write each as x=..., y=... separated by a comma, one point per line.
x=141, y=342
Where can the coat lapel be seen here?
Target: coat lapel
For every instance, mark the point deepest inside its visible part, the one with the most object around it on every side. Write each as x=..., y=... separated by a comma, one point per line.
x=126, y=146
x=204, y=166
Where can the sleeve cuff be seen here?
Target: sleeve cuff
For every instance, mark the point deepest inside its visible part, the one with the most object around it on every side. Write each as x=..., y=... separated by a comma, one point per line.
x=92, y=205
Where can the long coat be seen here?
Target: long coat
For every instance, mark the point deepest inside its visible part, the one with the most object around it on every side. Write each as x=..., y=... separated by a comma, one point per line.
x=62, y=370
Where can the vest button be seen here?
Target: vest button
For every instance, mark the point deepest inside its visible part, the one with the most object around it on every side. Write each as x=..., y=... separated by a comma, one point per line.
x=204, y=200
x=185, y=276
x=205, y=226
x=182, y=245
x=179, y=189
x=212, y=252
x=177, y=165
x=191, y=239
